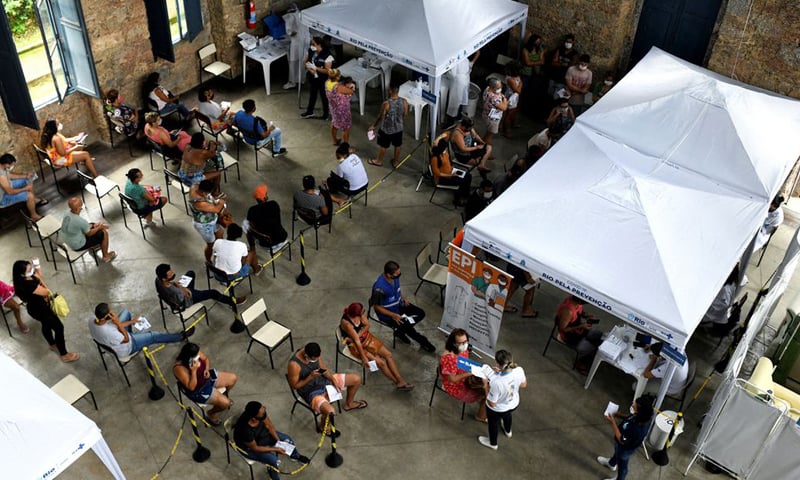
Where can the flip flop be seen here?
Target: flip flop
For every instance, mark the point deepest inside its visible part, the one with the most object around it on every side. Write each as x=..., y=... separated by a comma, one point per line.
x=533, y=315
x=482, y=420
x=42, y=202
x=374, y=163
x=511, y=309
x=213, y=423
x=111, y=256
x=406, y=388
x=359, y=405
x=24, y=329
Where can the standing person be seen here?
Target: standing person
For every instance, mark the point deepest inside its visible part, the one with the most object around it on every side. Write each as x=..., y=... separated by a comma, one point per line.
x=395, y=310
x=771, y=223
x=17, y=187
x=390, y=126
x=318, y=62
x=200, y=382
x=628, y=436
x=350, y=178
x=494, y=105
x=502, y=396
x=205, y=214
x=532, y=58
x=7, y=300
x=30, y=288
x=258, y=438
x=144, y=196
x=458, y=95
x=579, y=82
x=299, y=37
x=64, y=151
x=341, y=116
x=512, y=93
x=561, y=58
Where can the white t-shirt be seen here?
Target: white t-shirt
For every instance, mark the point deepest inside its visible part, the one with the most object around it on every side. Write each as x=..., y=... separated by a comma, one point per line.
x=210, y=109
x=352, y=170
x=504, y=389
x=228, y=255
x=679, y=378
x=110, y=336
x=541, y=139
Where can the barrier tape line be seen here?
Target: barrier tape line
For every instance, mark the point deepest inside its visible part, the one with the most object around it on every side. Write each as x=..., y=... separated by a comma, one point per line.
x=172, y=450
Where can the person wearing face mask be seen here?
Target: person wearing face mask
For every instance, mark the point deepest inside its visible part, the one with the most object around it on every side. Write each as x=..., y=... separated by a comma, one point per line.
x=198, y=381
x=255, y=434
x=480, y=198
x=494, y=105
x=17, y=187
x=350, y=177
x=121, y=113
x=65, y=151
x=29, y=286
x=394, y=309
x=561, y=117
x=502, y=396
x=771, y=223
x=601, y=88
x=172, y=143
x=628, y=435
x=171, y=291
x=561, y=58
x=318, y=62
x=461, y=384
x=579, y=81
x=115, y=331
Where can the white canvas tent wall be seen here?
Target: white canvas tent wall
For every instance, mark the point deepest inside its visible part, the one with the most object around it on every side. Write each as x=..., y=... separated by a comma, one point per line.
x=41, y=434
x=429, y=36
x=651, y=198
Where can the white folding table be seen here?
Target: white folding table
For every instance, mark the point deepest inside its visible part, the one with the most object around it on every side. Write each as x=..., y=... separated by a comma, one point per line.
x=629, y=359
x=265, y=53
x=361, y=76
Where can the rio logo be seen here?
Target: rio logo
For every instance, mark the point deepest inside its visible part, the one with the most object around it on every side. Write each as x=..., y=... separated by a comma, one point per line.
x=633, y=318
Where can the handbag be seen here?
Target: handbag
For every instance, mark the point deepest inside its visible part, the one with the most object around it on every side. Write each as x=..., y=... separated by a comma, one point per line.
x=58, y=304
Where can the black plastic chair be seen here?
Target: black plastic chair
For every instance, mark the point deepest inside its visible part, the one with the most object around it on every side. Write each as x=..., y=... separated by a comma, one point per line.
x=310, y=218
x=437, y=385
x=104, y=350
x=127, y=202
x=256, y=238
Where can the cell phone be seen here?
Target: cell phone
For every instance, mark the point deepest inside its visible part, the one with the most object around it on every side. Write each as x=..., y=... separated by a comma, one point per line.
x=212, y=374
x=321, y=371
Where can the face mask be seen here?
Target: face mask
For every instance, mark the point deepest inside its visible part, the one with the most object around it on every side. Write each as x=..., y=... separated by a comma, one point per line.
x=159, y=122
x=633, y=411
x=261, y=418
x=463, y=347
x=169, y=279
x=487, y=195
x=396, y=276
x=564, y=109
x=313, y=362
x=499, y=90
x=567, y=45
x=29, y=274
x=10, y=167
x=583, y=67
x=60, y=126
x=608, y=82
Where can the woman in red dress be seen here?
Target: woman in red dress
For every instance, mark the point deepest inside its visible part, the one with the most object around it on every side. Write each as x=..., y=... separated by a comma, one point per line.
x=455, y=381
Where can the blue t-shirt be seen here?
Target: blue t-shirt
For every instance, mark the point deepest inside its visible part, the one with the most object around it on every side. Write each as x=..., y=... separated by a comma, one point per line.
x=632, y=433
x=248, y=122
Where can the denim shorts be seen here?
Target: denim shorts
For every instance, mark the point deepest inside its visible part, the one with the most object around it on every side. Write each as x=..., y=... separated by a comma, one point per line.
x=207, y=230
x=190, y=180
x=12, y=198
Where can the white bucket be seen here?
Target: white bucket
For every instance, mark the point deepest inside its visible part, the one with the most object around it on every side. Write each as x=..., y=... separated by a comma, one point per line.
x=663, y=425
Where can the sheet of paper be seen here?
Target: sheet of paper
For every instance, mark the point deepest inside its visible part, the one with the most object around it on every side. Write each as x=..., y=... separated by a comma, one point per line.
x=459, y=173
x=410, y=319
x=286, y=446
x=466, y=364
x=142, y=324
x=373, y=366
x=611, y=409
x=333, y=394
x=484, y=371
x=371, y=134
x=225, y=105
x=185, y=281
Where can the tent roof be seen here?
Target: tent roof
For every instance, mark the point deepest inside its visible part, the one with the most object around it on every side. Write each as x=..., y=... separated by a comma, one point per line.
x=429, y=36
x=647, y=203
x=40, y=433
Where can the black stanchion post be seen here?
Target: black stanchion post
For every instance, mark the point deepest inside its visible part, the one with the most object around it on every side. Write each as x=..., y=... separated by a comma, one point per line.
x=333, y=459
x=303, y=278
x=201, y=453
x=156, y=392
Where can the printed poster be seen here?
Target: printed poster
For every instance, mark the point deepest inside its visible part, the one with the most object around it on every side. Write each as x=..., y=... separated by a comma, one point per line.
x=475, y=298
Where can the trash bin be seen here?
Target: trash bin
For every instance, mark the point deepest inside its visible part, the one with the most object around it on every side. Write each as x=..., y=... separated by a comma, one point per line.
x=474, y=95
x=663, y=425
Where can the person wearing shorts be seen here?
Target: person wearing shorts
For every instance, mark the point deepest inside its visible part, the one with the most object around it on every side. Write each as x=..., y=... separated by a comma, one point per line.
x=79, y=234
x=205, y=212
x=309, y=376
x=494, y=105
x=390, y=120
x=17, y=187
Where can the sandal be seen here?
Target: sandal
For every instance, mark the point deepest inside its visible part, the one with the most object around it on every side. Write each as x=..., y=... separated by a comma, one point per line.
x=111, y=256
x=531, y=315
x=24, y=328
x=359, y=405
x=42, y=202
x=70, y=357
x=406, y=388
x=482, y=420
x=510, y=309
x=374, y=163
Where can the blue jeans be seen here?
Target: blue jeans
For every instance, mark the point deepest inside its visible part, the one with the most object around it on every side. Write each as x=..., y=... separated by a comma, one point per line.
x=171, y=107
x=245, y=271
x=12, y=198
x=145, y=339
x=620, y=459
x=275, y=137
x=271, y=458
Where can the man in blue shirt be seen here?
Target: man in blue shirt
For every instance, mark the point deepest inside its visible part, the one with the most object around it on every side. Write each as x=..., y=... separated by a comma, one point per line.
x=255, y=131
x=628, y=436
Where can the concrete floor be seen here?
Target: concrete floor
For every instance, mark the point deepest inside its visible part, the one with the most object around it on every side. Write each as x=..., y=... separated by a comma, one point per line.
x=558, y=428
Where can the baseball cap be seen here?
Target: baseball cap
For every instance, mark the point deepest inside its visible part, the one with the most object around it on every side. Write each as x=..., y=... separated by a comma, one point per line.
x=260, y=193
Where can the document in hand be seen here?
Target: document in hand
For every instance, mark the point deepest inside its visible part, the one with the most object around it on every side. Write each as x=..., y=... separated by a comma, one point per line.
x=333, y=394
x=286, y=446
x=185, y=281
x=611, y=409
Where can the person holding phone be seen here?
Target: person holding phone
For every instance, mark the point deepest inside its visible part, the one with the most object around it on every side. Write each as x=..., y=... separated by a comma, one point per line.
x=575, y=329
x=198, y=381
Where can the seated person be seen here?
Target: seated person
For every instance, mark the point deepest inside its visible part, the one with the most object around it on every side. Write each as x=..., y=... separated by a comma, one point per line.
x=176, y=295
x=221, y=118
x=443, y=173
x=124, y=117
x=264, y=218
x=354, y=326
x=195, y=166
x=545, y=139
x=79, y=234
x=172, y=143
x=479, y=199
x=657, y=368
x=147, y=198
x=198, y=381
x=461, y=384
x=64, y=151
x=164, y=101
x=7, y=300
x=257, y=437
x=771, y=223
x=256, y=131
x=468, y=147
x=317, y=201
x=392, y=307
x=351, y=177
x=575, y=329
x=17, y=187
x=232, y=256
x=561, y=117
x=115, y=331
x=309, y=375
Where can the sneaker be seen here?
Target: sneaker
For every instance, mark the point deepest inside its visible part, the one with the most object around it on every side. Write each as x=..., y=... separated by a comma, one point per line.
x=302, y=458
x=289, y=85
x=485, y=442
x=307, y=115
x=604, y=462
x=509, y=433
x=279, y=153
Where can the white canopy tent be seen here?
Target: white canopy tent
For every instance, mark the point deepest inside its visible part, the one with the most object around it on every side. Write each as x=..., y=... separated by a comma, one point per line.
x=429, y=36
x=41, y=434
x=646, y=204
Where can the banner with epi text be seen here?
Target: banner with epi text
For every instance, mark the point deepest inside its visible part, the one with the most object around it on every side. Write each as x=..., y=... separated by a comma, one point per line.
x=475, y=298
